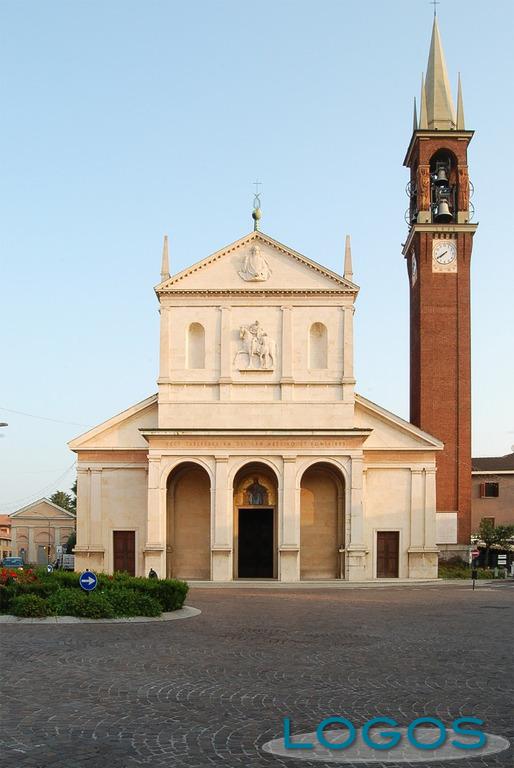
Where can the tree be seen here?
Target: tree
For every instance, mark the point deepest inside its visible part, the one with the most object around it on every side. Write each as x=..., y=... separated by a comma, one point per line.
x=72, y=540
x=498, y=536
x=62, y=499
x=74, y=498
x=66, y=500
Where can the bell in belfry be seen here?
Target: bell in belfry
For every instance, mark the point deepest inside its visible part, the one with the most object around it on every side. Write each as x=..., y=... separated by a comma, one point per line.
x=443, y=213
x=441, y=179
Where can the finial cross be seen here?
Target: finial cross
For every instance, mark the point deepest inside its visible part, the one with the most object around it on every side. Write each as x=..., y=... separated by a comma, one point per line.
x=435, y=3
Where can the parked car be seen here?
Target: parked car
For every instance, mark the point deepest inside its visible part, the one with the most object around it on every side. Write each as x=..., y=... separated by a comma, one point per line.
x=13, y=562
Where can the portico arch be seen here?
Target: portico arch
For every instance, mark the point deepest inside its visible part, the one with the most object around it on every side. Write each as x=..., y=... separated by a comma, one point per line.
x=188, y=522
x=255, y=490
x=321, y=522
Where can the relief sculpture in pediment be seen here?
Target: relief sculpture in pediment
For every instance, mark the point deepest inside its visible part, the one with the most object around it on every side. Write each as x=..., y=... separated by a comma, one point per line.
x=258, y=351
x=255, y=267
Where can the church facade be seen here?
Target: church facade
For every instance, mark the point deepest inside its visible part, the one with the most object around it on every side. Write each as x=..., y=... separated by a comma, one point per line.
x=256, y=458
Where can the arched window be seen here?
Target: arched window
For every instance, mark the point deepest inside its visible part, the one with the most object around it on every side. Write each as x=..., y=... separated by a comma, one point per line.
x=318, y=346
x=196, y=346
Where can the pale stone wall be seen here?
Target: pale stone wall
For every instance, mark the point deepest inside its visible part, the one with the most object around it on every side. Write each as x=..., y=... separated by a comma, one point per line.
x=400, y=496
x=110, y=498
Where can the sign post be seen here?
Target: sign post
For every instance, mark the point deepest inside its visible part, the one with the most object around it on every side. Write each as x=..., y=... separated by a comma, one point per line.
x=88, y=581
x=474, y=572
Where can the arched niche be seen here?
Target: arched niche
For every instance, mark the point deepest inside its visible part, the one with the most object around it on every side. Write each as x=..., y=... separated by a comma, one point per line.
x=195, y=352
x=321, y=522
x=188, y=523
x=318, y=346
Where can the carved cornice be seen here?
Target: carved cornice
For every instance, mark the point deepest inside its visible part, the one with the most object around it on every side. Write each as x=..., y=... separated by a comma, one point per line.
x=257, y=292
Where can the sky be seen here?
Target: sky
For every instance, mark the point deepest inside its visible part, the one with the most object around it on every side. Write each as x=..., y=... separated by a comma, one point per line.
x=124, y=120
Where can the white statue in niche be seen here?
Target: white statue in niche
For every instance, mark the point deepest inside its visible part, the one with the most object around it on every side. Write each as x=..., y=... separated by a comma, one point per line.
x=258, y=350
x=255, y=266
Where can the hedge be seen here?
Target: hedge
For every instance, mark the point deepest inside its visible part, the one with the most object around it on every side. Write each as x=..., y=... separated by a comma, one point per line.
x=38, y=593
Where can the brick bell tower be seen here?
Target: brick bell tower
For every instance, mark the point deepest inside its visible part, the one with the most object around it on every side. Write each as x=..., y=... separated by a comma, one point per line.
x=438, y=254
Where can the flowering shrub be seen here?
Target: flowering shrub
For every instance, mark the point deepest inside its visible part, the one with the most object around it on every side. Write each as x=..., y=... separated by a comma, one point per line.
x=18, y=575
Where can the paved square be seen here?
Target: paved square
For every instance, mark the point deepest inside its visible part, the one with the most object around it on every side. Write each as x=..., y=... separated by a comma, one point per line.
x=210, y=690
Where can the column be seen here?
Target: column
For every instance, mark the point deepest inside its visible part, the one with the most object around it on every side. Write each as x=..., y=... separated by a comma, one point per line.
x=416, y=558
x=357, y=550
x=348, y=380
x=289, y=523
x=165, y=339
x=222, y=517
x=31, y=556
x=98, y=547
x=430, y=510
x=286, y=379
x=225, y=380
x=417, y=510
x=155, y=547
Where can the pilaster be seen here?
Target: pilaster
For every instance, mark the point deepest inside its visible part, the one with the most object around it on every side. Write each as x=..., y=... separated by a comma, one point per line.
x=155, y=547
x=221, y=522
x=225, y=379
x=287, y=354
x=357, y=550
x=289, y=523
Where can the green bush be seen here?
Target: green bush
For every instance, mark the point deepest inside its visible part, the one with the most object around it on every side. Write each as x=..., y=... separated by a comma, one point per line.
x=96, y=605
x=29, y=606
x=463, y=571
x=171, y=593
x=71, y=602
x=117, y=595
x=128, y=602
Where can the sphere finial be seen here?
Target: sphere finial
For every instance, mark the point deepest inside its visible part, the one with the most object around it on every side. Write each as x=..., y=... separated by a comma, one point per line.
x=256, y=213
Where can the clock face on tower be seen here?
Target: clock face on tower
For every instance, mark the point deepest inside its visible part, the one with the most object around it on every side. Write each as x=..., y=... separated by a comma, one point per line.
x=444, y=256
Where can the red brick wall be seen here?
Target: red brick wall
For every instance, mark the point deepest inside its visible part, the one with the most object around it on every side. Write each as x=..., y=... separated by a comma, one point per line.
x=440, y=357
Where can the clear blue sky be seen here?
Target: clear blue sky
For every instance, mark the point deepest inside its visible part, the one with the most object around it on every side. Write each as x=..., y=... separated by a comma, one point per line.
x=124, y=120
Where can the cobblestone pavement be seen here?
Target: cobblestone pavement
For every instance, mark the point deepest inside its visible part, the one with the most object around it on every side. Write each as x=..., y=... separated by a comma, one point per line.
x=211, y=690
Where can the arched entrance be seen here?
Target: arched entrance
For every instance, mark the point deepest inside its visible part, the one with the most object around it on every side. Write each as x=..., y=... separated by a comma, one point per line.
x=255, y=522
x=188, y=523
x=321, y=523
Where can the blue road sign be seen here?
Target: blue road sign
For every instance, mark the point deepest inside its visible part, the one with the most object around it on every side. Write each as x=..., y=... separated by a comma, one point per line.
x=88, y=580
x=49, y=568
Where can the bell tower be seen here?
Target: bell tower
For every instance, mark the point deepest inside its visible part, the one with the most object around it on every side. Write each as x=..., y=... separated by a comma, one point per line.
x=438, y=255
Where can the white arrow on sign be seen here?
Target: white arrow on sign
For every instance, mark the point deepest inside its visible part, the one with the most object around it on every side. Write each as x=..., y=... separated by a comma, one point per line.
x=89, y=580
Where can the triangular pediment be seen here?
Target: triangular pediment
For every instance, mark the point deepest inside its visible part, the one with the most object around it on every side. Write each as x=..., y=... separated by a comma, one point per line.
x=257, y=263
x=45, y=509
x=389, y=431
x=122, y=432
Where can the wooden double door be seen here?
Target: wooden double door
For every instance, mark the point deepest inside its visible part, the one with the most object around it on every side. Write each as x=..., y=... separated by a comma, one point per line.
x=388, y=554
x=124, y=549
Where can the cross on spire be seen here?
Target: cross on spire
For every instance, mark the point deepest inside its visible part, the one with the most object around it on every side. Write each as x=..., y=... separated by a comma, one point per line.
x=435, y=3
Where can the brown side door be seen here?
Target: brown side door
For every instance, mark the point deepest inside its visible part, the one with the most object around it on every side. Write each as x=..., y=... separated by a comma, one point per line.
x=125, y=551
x=388, y=549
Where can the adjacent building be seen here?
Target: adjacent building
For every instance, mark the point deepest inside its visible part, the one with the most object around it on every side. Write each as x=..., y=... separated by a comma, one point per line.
x=493, y=490
x=37, y=529
x=5, y=536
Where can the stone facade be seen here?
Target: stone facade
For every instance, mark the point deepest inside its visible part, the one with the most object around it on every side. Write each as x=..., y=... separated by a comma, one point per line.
x=37, y=530
x=256, y=458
